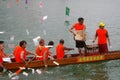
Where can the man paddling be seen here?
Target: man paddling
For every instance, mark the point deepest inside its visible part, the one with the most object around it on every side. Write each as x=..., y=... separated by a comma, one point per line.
x=103, y=37
x=43, y=51
x=39, y=49
x=60, y=49
x=78, y=30
x=20, y=52
x=47, y=53
x=2, y=54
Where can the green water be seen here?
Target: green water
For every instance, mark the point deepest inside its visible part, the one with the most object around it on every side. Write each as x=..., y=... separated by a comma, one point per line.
x=16, y=18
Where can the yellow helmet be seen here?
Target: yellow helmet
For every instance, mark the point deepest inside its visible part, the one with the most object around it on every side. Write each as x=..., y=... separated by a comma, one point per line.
x=102, y=24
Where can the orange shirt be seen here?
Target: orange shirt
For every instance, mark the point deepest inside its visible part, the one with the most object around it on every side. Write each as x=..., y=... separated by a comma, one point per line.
x=42, y=52
x=60, y=51
x=102, y=36
x=38, y=49
x=1, y=56
x=17, y=53
x=77, y=26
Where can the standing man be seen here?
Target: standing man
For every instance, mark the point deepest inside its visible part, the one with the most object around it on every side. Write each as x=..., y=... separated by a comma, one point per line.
x=60, y=49
x=78, y=30
x=103, y=36
x=20, y=52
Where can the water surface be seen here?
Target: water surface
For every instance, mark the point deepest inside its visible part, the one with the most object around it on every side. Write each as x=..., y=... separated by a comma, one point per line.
x=16, y=18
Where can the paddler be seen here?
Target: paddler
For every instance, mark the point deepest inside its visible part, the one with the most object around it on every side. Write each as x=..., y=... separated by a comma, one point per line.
x=46, y=53
x=78, y=30
x=60, y=49
x=2, y=55
x=43, y=51
x=39, y=49
x=20, y=52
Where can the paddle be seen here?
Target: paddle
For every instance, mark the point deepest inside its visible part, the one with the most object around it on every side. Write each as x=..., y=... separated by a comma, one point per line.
x=110, y=47
x=16, y=73
x=4, y=69
x=26, y=63
x=52, y=58
x=67, y=51
x=21, y=68
x=6, y=60
x=33, y=70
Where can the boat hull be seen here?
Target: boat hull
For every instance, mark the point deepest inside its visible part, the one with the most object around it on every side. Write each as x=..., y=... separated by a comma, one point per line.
x=72, y=59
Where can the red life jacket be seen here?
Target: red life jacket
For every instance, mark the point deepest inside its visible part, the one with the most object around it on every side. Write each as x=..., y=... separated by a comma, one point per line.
x=77, y=26
x=102, y=36
x=1, y=56
x=60, y=51
x=42, y=53
x=17, y=53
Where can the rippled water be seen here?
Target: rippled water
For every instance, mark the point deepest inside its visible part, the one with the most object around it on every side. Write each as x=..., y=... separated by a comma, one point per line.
x=16, y=18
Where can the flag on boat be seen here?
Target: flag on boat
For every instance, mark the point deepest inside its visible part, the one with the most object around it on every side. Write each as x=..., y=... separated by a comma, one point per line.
x=67, y=11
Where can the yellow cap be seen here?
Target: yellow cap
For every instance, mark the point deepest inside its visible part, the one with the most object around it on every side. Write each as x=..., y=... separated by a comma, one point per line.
x=101, y=24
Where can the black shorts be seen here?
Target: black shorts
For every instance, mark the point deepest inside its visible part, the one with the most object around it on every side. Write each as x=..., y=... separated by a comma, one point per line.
x=80, y=44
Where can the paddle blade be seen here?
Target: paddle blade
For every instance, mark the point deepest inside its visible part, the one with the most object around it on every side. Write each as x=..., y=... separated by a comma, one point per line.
x=33, y=71
x=22, y=68
x=18, y=71
x=35, y=40
x=25, y=74
x=15, y=78
x=39, y=71
x=4, y=70
x=11, y=75
x=56, y=63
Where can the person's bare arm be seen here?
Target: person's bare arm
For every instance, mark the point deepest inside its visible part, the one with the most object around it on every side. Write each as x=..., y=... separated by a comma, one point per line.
x=84, y=34
x=44, y=58
x=65, y=48
x=95, y=37
x=29, y=52
x=7, y=55
x=71, y=30
x=108, y=39
x=22, y=56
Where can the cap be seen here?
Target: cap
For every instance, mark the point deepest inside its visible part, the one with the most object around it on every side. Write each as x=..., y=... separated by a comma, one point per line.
x=102, y=24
